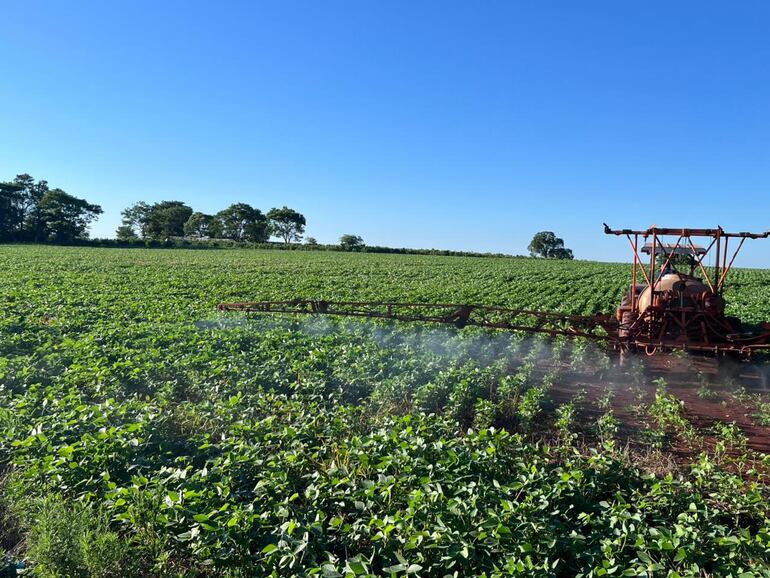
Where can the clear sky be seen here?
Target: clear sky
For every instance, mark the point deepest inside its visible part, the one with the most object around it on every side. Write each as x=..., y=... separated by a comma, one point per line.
x=458, y=125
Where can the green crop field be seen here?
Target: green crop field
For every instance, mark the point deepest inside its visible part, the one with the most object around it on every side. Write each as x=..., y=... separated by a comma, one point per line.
x=142, y=433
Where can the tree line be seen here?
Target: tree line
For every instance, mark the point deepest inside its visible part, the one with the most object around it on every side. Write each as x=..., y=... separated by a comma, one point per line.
x=239, y=222
x=31, y=211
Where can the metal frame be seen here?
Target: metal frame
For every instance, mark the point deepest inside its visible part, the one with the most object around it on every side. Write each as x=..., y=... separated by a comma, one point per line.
x=601, y=327
x=700, y=328
x=719, y=238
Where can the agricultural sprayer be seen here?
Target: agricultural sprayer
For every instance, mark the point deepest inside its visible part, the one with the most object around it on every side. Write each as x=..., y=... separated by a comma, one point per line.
x=666, y=307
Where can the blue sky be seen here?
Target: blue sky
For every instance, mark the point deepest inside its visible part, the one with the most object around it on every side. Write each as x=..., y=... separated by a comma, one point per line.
x=459, y=125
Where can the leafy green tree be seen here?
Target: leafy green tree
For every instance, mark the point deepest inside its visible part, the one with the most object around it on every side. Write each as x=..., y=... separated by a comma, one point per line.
x=157, y=221
x=34, y=223
x=197, y=226
x=547, y=245
x=562, y=253
x=311, y=241
x=351, y=242
x=10, y=216
x=125, y=233
x=21, y=219
x=242, y=222
x=286, y=223
x=31, y=211
x=166, y=219
x=135, y=218
x=26, y=199
x=65, y=217
x=215, y=228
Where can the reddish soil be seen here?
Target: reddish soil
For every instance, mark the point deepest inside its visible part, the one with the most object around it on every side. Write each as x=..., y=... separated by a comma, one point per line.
x=713, y=392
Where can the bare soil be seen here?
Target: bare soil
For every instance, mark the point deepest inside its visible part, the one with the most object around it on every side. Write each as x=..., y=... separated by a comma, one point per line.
x=713, y=392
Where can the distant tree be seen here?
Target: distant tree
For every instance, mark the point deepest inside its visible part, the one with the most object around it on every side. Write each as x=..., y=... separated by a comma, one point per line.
x=21, y=219
x=65, y=217
x=562, y=253
x=197, y=226
x=215, y=228
x=287, y=224
x=546, y=244
x=351, y=242
x=10, y=214
x=31, y=214
x=311, y=241
x=26, y=199
x=157, y=221
x=31, y=211
x=241, y=222
x=135, y=218
x=125, y=233
x=166, y=219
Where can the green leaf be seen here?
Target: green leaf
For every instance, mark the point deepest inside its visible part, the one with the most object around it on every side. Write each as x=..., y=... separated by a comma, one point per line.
x=330, y=571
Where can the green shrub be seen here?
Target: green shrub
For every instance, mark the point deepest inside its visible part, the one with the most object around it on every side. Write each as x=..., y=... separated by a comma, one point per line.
x=72, y=540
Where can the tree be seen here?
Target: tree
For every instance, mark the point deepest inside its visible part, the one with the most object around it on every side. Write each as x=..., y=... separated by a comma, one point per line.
x=125, y=233
x=31, y=213
x=10, y=215
x=65, y=217
x=351, y=242
x=546, y=244
x=562, y=253
x=286, y=223
x=135, y=218
x=215, y=228
x=21, y=219
x=166, y=219
x=157, y=221
x=26, y=199
x=197, y=226
x=241, y=222
x=311, y=241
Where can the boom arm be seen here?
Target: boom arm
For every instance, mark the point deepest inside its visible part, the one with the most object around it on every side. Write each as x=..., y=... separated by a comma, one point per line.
x=602, y=327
